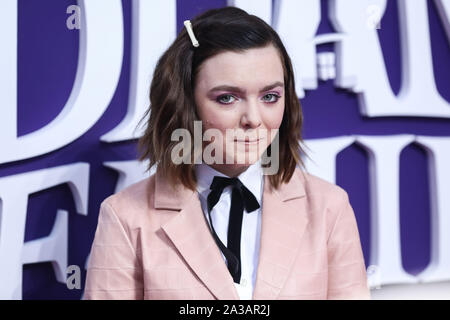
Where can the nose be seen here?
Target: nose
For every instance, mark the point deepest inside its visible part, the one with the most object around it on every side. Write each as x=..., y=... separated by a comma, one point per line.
x=251, y=117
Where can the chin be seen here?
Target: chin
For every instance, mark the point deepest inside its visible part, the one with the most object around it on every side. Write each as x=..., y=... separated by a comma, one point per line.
x=246, y=159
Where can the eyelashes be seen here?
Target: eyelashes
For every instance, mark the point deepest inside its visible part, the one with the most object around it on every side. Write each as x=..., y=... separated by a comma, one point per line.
x=274, y=95
x=225, y=98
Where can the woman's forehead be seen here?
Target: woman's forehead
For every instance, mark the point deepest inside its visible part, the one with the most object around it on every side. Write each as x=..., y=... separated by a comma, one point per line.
x=258, y=66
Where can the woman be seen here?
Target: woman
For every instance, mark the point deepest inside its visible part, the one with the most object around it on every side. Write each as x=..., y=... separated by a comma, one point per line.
x=277, y=232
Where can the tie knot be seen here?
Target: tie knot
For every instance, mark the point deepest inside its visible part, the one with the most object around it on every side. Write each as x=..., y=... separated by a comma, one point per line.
x=219, y=183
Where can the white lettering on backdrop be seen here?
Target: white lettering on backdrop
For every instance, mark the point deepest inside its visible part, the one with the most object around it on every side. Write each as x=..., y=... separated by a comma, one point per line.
x=99, y=66
x=14, y=192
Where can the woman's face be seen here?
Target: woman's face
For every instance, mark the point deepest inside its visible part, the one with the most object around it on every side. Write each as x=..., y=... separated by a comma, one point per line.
x=243, y=94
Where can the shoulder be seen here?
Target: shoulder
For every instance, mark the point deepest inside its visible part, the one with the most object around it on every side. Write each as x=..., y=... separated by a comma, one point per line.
x=321, y=190
x=134, y=200
x=325, y=200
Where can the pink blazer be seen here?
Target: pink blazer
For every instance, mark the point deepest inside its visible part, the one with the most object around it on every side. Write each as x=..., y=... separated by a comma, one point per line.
x=153, y=242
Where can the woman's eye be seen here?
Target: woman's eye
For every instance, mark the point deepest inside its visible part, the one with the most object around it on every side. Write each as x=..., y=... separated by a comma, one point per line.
x=271, y=97
x=228, y=98
x=225, y=99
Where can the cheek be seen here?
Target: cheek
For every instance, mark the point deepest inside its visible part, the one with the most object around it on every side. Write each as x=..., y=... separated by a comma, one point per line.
x=213, y=117
x=274, y=116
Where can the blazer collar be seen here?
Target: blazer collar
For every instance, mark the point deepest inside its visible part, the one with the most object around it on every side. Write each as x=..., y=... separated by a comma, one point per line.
x=168, y=196
x=284, y=220
x=174, y=197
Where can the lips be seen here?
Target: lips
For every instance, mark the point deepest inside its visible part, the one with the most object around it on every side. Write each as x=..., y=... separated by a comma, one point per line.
x=248, y=141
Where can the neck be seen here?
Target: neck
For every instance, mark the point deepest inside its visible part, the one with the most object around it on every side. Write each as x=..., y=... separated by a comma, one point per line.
x=230, y=170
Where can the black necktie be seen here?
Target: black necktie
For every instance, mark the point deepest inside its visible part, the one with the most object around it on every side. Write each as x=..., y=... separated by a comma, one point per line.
x=241, y=198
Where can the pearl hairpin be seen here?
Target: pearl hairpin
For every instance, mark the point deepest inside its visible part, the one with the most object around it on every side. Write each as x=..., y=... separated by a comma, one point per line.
x=188, y=25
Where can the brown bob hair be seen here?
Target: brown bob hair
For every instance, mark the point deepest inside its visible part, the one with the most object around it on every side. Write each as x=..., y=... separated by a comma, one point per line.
x=172, y=103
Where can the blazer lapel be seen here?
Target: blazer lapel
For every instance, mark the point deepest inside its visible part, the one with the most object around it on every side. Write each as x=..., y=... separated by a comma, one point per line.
x=190, y=233
x=284, y=220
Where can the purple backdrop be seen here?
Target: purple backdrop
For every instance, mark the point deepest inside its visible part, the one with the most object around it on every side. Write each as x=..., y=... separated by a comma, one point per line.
x=48, y=53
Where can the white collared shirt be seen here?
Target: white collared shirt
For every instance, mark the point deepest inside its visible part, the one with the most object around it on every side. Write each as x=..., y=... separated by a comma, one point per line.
x=253, y=179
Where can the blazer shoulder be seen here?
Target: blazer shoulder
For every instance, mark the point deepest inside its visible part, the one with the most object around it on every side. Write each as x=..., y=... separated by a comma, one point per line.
x=326, y=201
x=134, y=198
x=320, y=190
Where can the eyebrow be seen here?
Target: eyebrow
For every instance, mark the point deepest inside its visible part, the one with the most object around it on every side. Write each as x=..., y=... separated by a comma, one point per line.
x=237, y=89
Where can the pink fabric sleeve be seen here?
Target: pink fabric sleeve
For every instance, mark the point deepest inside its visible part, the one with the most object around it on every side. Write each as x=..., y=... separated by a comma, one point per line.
x=113, y=271
x=347, y=278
